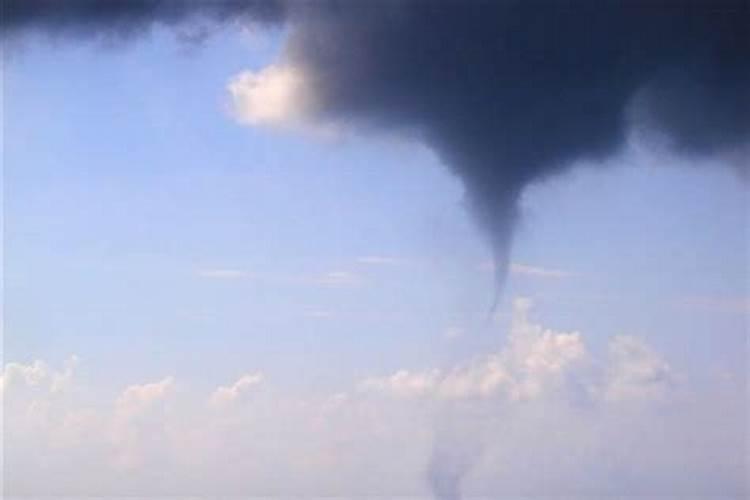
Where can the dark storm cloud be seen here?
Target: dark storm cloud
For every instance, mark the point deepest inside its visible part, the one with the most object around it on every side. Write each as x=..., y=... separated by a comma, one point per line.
x=124, y=18
x=505, y=92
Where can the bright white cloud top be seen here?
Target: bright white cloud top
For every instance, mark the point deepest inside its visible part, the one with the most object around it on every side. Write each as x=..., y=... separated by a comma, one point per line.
x=274, y=96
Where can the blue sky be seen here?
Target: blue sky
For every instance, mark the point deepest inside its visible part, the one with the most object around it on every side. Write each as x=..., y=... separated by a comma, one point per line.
x=150, y=234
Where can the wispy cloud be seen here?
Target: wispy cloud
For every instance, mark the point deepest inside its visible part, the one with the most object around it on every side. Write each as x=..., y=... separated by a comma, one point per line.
x=538, y=272
x=339, y=279
x=319, y=314
x=378, y=260
x=731, y=305
x=222, y=273
x=453, y=332
x=520, y=269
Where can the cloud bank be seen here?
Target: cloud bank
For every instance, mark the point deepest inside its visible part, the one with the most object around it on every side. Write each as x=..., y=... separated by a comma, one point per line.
x=545, y=414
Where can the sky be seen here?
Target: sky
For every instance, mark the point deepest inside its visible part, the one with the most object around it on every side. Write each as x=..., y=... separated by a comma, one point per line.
x=197, y=304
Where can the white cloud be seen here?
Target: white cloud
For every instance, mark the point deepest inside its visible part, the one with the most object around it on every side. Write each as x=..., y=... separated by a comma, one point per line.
x=635, y=371
x=228, y=394
x=519, y=402
x=39, y=375
x=138, y=422
x=453, y=332
x=138, y=398
x=533, y=360
x=319, y=314
x=536, y=361
x=33, y=374
x=339, y=279
x=538, y=272
x=226, y=274
x=276, y=95
x=527, y=270
x=378, y=260
x=404, y=383
x=731, y=305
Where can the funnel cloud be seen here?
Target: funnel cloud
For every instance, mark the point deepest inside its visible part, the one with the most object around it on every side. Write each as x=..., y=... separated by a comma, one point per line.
x=504, y=92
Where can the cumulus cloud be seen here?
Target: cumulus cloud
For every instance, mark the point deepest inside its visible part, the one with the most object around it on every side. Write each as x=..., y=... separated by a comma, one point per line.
x=536, y=362
x=546, y=413
x=136, y=399
x=635, y=371
x=537, y=372
x=38, y=375
x=137, y=420
x=404, y=383
x=276, y=95
x=533, y=360
x=230, y=393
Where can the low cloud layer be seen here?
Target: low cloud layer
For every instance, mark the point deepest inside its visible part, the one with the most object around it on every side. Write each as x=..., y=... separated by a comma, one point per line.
x=546, y=413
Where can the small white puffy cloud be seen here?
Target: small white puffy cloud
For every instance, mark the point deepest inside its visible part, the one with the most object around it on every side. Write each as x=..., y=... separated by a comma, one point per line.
x=38, y=375
x=230, y=393
x=635, y=371
x=31, y=394
x=276, y=96
x=138, y=398
x=533, y=360
x=33, y=374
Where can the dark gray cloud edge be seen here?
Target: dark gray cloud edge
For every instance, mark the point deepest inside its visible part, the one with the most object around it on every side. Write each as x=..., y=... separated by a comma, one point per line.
x=127, y=18
x=505, y=92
